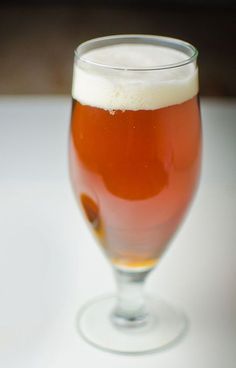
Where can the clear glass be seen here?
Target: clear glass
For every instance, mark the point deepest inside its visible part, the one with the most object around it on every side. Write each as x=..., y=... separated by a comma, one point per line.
x=134, y=166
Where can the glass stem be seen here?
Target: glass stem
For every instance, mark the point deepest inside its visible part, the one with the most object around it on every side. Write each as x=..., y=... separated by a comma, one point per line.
x=130, y=309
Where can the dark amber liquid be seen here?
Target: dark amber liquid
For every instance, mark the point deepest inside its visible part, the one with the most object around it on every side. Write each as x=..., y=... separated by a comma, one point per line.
x=134, y=173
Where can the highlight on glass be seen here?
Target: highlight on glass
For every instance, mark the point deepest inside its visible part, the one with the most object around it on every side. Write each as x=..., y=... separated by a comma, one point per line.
x=135, y=154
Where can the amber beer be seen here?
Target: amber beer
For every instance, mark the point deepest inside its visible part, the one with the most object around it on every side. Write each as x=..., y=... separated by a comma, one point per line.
x=134, y=170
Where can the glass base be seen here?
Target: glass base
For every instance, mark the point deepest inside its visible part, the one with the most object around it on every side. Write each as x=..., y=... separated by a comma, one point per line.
x=165, y=326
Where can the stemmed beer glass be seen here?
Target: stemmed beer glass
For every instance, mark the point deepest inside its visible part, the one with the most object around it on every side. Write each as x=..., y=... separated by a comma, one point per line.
x=135, y=150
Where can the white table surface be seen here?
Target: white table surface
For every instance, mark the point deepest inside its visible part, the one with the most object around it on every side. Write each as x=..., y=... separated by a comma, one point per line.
x=49, y=264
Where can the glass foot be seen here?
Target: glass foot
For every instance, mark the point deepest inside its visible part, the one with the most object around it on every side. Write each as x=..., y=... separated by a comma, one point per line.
x=164, y=326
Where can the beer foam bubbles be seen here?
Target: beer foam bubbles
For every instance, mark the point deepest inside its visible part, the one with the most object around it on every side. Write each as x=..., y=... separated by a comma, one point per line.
x=114, y=86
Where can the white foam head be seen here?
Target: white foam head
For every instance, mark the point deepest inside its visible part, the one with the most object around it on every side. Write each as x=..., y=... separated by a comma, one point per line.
x=125, y=89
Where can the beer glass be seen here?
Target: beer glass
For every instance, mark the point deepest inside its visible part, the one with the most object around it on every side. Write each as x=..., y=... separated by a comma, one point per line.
x=135, y=150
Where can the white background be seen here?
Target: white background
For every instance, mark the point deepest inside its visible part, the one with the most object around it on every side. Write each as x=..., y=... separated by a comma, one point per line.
x=50, y=265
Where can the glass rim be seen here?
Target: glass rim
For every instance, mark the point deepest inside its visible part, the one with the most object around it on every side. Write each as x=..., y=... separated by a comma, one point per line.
x=173, y=43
